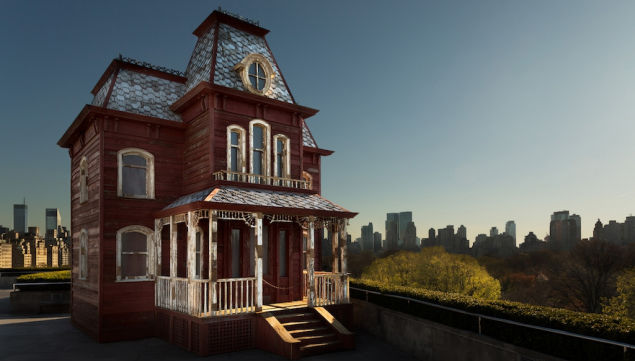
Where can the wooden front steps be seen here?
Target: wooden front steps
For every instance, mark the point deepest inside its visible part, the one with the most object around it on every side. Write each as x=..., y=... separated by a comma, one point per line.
x=299, y=332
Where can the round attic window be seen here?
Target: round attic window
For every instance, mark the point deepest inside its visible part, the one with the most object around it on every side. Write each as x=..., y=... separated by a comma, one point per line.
x=256, y=73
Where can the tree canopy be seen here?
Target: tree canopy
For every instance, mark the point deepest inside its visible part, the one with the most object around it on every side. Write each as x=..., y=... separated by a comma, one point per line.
x=435, y=269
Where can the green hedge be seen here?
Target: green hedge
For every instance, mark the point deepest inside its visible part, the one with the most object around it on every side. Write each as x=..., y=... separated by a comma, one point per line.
x=596, y=325
x=55, y=276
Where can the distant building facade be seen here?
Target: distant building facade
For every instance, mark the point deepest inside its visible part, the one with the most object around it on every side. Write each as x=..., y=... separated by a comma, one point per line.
x=20, y=218
x=510, y=229
x=532, y=243
x=53, y=220
x=564, y=230
x=368, y=238
x=615, y=232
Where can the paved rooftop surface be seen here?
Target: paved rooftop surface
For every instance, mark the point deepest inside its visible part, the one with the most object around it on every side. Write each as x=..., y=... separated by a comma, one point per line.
x=52, y=337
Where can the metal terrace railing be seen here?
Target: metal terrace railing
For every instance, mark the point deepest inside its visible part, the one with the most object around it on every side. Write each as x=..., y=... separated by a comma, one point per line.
x=368, y=295
x=225, y=175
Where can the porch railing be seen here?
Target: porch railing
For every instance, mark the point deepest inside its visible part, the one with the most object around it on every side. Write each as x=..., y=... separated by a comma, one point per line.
x=330, y=288
x=236, y=295
x=225, y=175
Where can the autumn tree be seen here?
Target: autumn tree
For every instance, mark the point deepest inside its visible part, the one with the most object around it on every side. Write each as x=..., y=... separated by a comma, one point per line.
x=435, y=269
x=624, y=303
x=588, y=275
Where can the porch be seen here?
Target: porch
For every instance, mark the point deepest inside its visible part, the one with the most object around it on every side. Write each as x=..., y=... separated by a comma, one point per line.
x=212, y=263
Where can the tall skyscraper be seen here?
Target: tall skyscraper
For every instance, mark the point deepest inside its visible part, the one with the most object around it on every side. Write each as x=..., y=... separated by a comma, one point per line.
x=461, y=232
x=392, y=231
x=410, y=236
x=53, y=219
x=564, y=230
x=377, y=241
x=510, y=229
x=493, y=232
x=404, y=219
x=368, y=238
x=20, y=218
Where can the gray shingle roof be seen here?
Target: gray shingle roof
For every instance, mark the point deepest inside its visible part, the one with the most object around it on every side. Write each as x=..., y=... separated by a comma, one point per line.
x=259, y=197
x=200, y=65
x=145, y=94
x=99, y=98
x=307, y=137
x=233, y=46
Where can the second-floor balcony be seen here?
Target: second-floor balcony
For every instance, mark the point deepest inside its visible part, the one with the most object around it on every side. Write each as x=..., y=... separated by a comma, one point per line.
x=225, y=175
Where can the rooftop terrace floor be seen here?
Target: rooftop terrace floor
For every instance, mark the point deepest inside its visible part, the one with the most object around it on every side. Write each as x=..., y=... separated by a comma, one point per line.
x=52, y=337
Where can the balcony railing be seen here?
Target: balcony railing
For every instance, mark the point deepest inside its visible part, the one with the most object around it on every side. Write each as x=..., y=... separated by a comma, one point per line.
x=330, y=288
x=225, y=175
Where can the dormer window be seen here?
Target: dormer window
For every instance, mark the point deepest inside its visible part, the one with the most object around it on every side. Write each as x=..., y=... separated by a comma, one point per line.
x=256, y=73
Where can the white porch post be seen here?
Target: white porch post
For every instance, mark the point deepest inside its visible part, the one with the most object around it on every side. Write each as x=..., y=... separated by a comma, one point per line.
x=191, y=245
x=213, y=274
x=343, y=245
x=158, y=227
x=311, y=270
x=173, y=232
x=335, y=247
x=258, y=232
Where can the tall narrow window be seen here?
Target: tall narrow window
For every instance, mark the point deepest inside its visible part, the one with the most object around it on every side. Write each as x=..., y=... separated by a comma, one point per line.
x=236, y=252
x=282, y=253
x=136, y=174
x=259, y=140
x=133, y=253
x=83, y=255
x=281, y=156
x=235, y=150
x=258, y=150
x=83, y=180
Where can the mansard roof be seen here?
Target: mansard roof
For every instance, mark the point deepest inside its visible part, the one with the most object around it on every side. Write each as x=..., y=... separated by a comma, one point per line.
x=223, y=41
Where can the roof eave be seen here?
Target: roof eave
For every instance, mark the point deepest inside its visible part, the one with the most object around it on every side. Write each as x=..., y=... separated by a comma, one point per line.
x=317, y=150
x=251, y=208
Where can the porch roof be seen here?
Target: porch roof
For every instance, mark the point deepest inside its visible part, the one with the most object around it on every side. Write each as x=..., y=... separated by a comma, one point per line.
x=257, y=200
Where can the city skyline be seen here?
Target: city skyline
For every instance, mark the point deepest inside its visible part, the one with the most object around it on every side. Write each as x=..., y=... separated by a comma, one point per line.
x=520, y=111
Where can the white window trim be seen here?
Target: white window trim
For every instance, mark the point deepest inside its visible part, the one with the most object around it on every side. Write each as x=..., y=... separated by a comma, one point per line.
x=149, y=172
x=287, y=158
x=266, y=144
x=307, y=176
x=241, y=145
x=201, y=253
x=150, y=252
x=83, y=180
x=83, y=261
x=243, y=70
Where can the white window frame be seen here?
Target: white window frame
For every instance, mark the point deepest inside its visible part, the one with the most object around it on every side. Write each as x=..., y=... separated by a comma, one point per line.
x=308, y=177
x=149, y=252
x=83, y=180
x=267, y=140
x=286, y=171
x=241, y=148
x=149, y=172
x=83, y=256
x=199, y=230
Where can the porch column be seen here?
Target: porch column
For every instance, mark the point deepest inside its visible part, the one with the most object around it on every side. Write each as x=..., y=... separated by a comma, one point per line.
x=173, y=233
x=335, y=246
x=258, y=232
x=311, y=270
x=191, y=245
x=212, y=263
x=343, y=245
x=158, y=227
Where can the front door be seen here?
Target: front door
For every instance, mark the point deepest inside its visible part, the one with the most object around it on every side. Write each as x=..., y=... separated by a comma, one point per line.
x=283, y=275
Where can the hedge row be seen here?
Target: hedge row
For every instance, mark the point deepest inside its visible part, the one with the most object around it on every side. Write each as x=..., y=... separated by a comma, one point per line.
x=55, y=276
x=40, y=269
x=596, y=325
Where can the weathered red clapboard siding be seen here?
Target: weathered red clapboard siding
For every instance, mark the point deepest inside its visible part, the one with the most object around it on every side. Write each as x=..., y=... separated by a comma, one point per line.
x=127, y=308
x=312, y=165
x=197, y=173
x=85, y=293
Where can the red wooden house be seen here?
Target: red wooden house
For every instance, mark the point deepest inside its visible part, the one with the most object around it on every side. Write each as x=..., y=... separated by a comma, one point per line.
x=196, y=205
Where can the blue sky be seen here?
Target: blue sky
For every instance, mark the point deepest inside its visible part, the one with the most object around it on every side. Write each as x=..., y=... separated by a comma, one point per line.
x=464, y=112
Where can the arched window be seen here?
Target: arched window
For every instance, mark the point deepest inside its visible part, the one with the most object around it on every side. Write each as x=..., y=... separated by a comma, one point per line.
x=308, y=179
x=134, y=247
x=281, y=161
x=83, y=254
x=83, y=179
x=136, y=173
x=259, y=144
x=235, y=149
